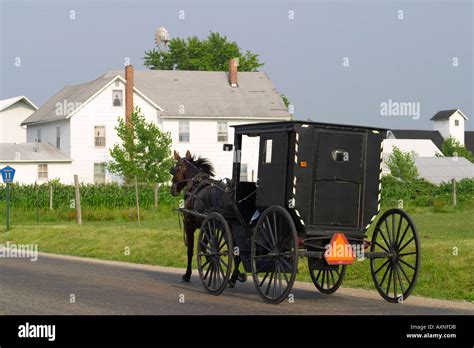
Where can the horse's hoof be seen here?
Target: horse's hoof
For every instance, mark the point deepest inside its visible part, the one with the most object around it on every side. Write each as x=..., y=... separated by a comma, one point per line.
x=231, y=283
x=242, y=277
x=186, y=278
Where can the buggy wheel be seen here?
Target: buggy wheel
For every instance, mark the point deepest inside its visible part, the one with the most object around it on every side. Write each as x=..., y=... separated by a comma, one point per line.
x=327, y=281
x=274, y=254
x=395, y=274
x=214, y=253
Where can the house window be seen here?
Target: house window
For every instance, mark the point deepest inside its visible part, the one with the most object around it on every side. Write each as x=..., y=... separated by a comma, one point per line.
x=58, y=137
x=267, y=151
x=243, y=172
x=222, y=131
x=99, y=173
x=456, y=123
x=42, y=172
x=183, y=131
x=117, y=97
x=99, y=136
x=38, y=135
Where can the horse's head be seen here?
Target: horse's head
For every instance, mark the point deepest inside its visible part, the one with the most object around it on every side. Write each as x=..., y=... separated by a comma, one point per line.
x=187, y=168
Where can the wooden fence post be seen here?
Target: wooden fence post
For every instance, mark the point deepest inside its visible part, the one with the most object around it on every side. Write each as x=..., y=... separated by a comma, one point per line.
x=137, y=200
x=50, y=197
x=155, y=195
x=36, y=203
x=78, y=201
x=453, y=181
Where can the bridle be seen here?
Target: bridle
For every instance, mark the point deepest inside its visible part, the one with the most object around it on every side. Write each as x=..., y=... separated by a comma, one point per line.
x=174, y=170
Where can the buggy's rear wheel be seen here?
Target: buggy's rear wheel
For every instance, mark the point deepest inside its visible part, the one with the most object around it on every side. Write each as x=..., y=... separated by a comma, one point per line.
x=214, y=253
x=327, y=280
x=395, y=273
x=274, y=254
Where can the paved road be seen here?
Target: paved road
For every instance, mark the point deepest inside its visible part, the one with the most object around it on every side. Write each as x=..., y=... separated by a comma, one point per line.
x=105, y=287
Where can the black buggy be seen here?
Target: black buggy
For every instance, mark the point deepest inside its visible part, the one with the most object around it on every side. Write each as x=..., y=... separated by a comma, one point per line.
x=318, y=191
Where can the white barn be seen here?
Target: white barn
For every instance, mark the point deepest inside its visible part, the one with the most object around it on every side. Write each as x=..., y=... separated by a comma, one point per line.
x=13, y=111
x=196, y=107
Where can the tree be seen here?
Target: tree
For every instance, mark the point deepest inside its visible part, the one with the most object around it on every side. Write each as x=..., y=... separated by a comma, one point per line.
x=402, y=165
x=144, y=154
x=210, y=54
x=453, y=148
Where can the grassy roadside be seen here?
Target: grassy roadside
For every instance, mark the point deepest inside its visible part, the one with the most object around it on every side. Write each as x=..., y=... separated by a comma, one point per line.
x=447, y=243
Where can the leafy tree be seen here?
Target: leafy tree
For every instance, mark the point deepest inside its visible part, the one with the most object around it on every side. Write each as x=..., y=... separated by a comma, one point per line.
x=210, y=54
x=402, y=165
x=453, y=148
x=145, y=152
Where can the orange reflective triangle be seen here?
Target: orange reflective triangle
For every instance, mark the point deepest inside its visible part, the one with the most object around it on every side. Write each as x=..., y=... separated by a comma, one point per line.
x=339, y=252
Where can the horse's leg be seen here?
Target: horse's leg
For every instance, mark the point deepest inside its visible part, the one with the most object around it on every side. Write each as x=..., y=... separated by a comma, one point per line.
x=189, y=229
x=235, y=273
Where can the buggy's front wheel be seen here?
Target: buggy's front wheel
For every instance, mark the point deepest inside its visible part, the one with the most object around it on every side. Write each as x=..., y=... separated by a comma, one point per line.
x=327, y=279
x=214, y=253
x=274, y=254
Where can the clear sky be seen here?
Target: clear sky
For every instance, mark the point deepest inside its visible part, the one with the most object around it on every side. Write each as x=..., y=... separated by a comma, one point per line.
x=415, y=51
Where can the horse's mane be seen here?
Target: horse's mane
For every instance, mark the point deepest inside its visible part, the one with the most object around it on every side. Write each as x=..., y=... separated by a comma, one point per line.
x=203, y=164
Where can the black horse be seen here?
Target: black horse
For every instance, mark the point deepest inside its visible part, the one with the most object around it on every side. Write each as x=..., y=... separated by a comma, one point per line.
x=201, y=194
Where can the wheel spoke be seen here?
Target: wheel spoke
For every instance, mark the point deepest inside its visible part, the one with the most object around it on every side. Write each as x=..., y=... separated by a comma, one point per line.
x=406, y=263
x=377, y=243
x=403, y=235
x=319, y=274
x=383, y=264
x=394, y=282
x=399, y=278
x=404, y=273
x=269, y=283
x=389, y=281
x=410, y=253
x=263, y=280
x=263, y=246
x=388, y=232
x=384, y=275
x=270, y=231
x=400, y=223
x=383, y=237
x=405, y=245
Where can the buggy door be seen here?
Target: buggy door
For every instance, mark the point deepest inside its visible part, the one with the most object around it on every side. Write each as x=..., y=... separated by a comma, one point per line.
x=272, y=169
x=338, y=181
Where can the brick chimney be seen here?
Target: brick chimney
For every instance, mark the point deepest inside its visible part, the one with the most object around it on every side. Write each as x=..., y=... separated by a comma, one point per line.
x=128, y=94
x=233, y=63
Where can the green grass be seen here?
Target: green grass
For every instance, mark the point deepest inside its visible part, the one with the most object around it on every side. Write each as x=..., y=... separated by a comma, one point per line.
x=159, y=241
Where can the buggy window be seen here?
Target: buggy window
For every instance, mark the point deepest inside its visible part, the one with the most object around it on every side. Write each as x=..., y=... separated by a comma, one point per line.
x=267, y=151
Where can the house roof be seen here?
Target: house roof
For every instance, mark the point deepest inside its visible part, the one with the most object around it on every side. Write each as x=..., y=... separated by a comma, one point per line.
x=197, y=93
x=72, y=95
x=434, y=136
x=469, y=140
x=445, y=114
x=27, y=152
x=6, y=103
x=208, y=93
x=439, y=169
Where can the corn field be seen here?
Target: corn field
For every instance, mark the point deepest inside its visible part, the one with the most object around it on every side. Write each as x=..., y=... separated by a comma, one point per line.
x=111, y=196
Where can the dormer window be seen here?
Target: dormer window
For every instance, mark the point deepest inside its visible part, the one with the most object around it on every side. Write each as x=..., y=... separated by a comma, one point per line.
x=456, y=123
x=117, y=97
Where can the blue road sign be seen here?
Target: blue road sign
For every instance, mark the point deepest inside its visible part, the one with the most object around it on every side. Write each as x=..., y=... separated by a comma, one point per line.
x=8, y=173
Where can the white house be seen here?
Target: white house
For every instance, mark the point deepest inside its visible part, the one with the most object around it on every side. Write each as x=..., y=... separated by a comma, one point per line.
x=13, y=111
x=196, y=107
x=38, y=162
